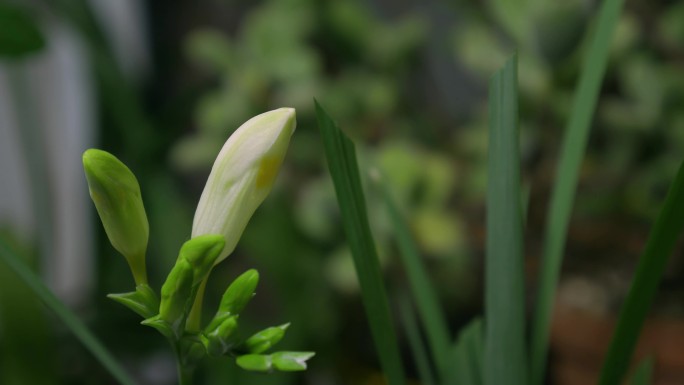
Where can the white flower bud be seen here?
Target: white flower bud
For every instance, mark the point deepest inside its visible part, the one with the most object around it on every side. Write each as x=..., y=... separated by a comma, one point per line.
x=242, y=176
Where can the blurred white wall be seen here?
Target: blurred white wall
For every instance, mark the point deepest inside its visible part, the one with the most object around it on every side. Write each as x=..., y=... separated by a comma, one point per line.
x=49, y=98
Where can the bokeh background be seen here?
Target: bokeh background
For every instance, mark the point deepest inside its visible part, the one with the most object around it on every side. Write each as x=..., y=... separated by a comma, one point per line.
x=163, y=83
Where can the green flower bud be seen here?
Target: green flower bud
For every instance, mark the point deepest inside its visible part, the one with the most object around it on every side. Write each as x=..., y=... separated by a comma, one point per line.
x=194, y=263
x=234, y=299
x=265, y=339
x=219, y=336
x=200, y=253
x=239, y=293
x=175, y=294
x=255, y=362
x=291, y=361
x=282, y=361
x=116, y=194
x=242, y=176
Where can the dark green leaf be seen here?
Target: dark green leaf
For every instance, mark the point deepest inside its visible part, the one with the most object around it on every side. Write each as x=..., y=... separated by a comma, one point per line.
x=661, y=242
x=505, y=352
x=468, y=353
x=574, y=145
x=341, y=156
x=417, y=344
x=422, y=289
x=643, y=373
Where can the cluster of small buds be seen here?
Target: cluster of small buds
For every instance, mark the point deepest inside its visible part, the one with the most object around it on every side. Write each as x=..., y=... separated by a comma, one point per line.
x=240, y=179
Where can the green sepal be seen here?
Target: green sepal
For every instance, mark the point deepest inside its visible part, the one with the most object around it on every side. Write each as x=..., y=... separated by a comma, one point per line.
x=191, y=350
x=265, y=339
x=239, y=293
x=219, y=339
x=255, y=362
x=162, y=326
x=291, y=361
x=143, y=300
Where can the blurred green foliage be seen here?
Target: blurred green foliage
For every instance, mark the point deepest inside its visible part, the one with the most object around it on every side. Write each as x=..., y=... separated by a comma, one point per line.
x=372, y=66
x=20, y=34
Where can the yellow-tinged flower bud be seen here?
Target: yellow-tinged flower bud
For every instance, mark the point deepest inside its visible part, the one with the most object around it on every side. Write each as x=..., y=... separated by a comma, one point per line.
x=242, y=176
x=116, y=194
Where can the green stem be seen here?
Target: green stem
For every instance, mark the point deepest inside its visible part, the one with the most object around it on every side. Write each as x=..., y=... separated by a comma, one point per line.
x=185, y=374
x=138, y=269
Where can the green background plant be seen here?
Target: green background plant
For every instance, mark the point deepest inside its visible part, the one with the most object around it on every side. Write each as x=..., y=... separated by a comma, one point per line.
x=409, y=84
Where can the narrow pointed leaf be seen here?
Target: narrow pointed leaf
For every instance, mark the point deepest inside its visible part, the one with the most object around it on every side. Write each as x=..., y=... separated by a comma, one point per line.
x=420, y=355
x=63, y=313
x=468, y=351
x=423, y=291
x=505, y=351
x=341, y=156
x=661, y=242
x=565, y=186
x=644, y=373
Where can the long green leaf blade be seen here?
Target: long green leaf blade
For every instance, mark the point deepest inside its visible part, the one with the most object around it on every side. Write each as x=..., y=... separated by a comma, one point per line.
x=420, y=355
x=341, y=156
x=423, y=291
x=661, y=241
x=468, y=352
x=505, y=351
x=644, y=373
x=67, y=316
x=565, y=186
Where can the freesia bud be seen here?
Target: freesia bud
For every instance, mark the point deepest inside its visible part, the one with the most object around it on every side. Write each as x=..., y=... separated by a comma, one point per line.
x=265, y=339
x=116, y=194
x=194, y=263
x=291, y=361
x=242, y=176
x=239, y=293
x=255, y=362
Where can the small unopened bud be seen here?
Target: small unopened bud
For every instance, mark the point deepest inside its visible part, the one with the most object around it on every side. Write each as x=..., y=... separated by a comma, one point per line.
x=175, y=293
x=265, y=339
x=239, y=293
x=291, y=361
x=242, y=176
x=116, y=194
x=255, y=362
x=194, y=262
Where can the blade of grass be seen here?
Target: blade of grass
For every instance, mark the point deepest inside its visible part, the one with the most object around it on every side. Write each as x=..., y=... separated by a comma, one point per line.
x=422, y=289
x=344, y=170
x=416, y=342
x=565, y=186
x=643, y=373
x=67, y=316
x=505, y=351
x=661, y=241
x=468, y=352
